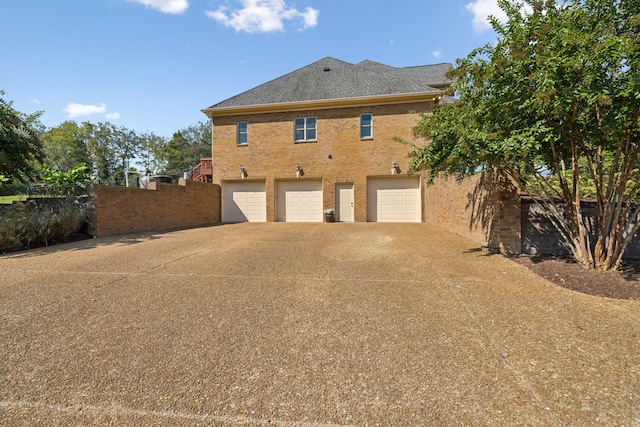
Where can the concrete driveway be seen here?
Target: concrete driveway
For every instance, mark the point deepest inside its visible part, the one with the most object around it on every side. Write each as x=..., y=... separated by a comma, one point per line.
x=306, y=325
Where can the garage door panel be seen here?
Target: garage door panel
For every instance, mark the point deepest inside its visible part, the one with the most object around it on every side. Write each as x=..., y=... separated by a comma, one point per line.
x=394, y=200
x=299, y=201
x=245, y=201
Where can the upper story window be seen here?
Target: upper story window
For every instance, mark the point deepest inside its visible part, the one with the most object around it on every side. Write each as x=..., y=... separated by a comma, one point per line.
x=242, y=133
x=366, y=126
x=304, y=129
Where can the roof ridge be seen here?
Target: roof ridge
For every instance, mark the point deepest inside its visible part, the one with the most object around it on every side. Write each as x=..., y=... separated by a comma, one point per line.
x=428, y=65
x=283, y=76
x=332, y=78
x=398, y=69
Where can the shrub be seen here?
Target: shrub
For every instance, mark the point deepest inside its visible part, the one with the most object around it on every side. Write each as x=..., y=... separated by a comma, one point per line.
x=31, y=223
x=70, y=183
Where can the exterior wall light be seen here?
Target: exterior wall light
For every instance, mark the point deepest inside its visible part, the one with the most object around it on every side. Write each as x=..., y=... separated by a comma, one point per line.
x=394, y=168
x=243, y=172
x=299, y=171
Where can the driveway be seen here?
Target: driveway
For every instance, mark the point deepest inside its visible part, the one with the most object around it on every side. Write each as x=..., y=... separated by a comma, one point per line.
x=306, y=325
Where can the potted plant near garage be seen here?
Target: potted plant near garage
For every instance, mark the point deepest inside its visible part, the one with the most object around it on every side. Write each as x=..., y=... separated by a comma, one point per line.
x=329, y=215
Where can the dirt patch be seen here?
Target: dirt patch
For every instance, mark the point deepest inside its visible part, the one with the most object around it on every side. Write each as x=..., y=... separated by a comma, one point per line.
x=563, y=271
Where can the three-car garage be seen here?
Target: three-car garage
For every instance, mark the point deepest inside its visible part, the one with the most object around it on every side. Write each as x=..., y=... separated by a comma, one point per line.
x=388, y=199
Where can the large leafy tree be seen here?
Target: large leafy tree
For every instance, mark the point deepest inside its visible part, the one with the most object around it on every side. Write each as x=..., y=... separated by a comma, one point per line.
x=111, y=149
x=20, y=142
x=125, y=145
x=103, y=147
x=186, y=147
x=103, y=157
x=151, y=149
x=176, y=155
x=66, y=146
x=199, y=137
x=557, y=99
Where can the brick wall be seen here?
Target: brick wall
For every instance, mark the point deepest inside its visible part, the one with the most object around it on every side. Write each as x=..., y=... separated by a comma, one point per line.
x=338, y=155
x=484, y=208
x=488, y=209
x=120, y=210
x=539, y=236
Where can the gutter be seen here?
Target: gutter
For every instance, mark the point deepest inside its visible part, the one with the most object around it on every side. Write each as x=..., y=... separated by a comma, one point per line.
x=323, y=104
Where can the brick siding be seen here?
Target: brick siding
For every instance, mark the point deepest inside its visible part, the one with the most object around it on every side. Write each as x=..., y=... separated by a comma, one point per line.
x=119, y=210
x=338, y=155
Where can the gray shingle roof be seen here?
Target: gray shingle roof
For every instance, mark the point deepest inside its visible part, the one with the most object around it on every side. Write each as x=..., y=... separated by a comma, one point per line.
x=429, y=74
x=330, y=78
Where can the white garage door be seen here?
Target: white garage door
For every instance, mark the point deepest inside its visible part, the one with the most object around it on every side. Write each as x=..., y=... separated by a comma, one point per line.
x=244, y=201
x=299, y=201
x=394, y=199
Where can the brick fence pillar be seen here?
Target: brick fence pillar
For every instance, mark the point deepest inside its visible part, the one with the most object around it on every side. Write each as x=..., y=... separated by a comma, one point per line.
x=505, y=227
x=484, y=208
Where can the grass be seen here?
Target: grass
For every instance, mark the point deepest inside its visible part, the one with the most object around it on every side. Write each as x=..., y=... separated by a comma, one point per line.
x=7, y=200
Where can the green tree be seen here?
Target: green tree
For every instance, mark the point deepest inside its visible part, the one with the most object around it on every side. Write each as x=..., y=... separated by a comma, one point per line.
x=102, y=154
x=125, y=145
x=557, y=98
x=151, y=149
x=176, y=155
x=186, y=147
x=20, y=142
x=66, y=145
x=111, y=149
x=199, y=138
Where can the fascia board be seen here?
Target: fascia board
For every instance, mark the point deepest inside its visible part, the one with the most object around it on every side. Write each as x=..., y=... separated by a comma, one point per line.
x=323, y=104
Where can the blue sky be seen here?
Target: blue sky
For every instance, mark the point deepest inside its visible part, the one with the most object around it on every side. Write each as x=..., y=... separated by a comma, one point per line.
x=152, y=65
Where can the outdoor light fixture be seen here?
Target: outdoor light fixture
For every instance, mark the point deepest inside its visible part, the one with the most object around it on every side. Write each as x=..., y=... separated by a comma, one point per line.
x=243, y=172
x=394, y=168
x=299, y=171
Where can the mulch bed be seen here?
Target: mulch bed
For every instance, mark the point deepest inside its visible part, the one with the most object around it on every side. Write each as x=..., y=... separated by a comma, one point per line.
x=563, y=271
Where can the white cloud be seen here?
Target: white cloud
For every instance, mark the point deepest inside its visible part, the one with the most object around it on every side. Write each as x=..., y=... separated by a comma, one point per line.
x=263, y=16
x=481, y=10
x=78, y=110
x=165, y=6
x=34, y=101
x=437, y=53
x=112, y=116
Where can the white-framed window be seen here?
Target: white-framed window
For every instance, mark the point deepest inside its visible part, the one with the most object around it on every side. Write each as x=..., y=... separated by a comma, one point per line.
x=366, y=126
x=304, y=129
x=242, y=133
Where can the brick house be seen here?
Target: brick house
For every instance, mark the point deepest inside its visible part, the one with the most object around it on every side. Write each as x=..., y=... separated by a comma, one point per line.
x=321, y=137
